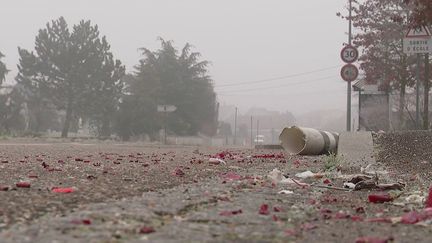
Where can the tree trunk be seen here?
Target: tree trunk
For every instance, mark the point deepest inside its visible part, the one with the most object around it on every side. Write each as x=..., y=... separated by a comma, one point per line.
x=105, y=129
x=68, y=119
x=402, y=103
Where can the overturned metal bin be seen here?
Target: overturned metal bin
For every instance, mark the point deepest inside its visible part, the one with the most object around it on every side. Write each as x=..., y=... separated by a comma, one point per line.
x=308, y=141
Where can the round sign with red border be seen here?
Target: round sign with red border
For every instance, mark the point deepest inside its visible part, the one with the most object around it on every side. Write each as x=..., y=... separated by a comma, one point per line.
x=349, y=54
x=349, y=72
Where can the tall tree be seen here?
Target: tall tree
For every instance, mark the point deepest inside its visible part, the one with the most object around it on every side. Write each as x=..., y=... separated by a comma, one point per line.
x=3, y=69
x=172, y=77
x=380, y=28
x=70, y=68
x=422, y=12
x=106, y=92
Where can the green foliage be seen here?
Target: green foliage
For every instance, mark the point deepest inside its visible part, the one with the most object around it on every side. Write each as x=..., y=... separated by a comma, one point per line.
x=3, y=69
x=11, y=118
x=332, y=162
x=170, y=77
x=75, y=71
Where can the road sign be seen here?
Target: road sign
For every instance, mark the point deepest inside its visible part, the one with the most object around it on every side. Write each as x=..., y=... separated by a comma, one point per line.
x=166, y=108
x=417, y=45
x=419, y=32
x=349, y=54
x=418, y=41
x=349, y=72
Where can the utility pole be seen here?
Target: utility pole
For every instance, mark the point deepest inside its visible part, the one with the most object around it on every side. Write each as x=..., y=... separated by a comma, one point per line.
x=426, y=93
x=251, y=132
x=165, y=128
x=235, y=126
x=257, y=136
x=348, y=125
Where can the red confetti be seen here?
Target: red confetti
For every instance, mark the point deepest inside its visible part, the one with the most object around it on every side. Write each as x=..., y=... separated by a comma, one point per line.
x=429, y=199
x=147, y=230
x=356, y=218
x=264, y=209
x=380, y=198
x=23, y=184
x=231, y=176
x=81, y=221
x=4, y=188
x=63, y=190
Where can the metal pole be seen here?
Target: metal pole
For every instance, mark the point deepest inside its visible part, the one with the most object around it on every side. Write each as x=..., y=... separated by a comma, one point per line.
x=235, y=126
x=257, y=138
x=359, y=110
x=426, y=93
x=349, y=83
x=165, y=130
x=418, y=92
x=251, y=132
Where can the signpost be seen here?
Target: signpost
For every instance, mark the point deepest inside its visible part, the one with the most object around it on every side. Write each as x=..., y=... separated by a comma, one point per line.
x=349, y=72
x=165, y=109
x=419, y=41
x=349, y=54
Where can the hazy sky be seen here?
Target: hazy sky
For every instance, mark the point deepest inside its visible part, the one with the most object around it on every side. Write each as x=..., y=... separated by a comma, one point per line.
x=245, y=40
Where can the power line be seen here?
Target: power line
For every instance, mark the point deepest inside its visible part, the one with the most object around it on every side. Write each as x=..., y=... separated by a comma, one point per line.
x=279, y=86
x=323, y=92
x=277, y=78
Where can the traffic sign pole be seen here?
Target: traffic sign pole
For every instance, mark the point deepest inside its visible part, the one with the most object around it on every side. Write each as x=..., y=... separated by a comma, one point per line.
x=418, y=92
x=349, y=83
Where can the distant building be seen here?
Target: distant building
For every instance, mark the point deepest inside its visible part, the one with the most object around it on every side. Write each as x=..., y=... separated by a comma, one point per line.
x=374, y=107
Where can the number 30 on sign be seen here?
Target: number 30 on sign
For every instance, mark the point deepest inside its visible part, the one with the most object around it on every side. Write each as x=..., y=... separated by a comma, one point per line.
x=349, y=54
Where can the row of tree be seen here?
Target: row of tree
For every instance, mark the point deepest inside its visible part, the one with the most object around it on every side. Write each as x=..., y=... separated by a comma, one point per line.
x=381, y=26
x=72, y=77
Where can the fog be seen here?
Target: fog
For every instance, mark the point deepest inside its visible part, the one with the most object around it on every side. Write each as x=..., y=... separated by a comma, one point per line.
x=245, y=40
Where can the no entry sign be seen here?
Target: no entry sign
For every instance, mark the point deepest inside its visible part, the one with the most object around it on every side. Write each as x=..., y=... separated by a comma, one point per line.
x=349, y=54
x=349, y=73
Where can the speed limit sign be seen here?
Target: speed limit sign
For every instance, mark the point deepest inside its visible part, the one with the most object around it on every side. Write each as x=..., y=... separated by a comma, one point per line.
x=349, y=54
x=349, y=73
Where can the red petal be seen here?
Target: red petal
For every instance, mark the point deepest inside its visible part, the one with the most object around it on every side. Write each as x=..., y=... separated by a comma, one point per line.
x=147, y=230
